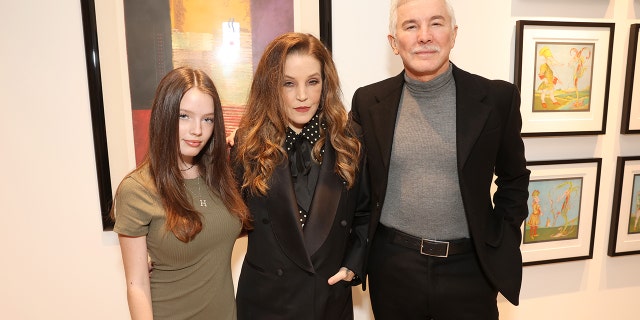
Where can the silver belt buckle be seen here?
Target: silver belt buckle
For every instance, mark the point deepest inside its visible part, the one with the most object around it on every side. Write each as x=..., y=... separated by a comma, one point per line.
x=435, y=254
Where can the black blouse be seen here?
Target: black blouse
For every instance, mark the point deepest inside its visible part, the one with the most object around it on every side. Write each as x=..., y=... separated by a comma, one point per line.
x=304, y=169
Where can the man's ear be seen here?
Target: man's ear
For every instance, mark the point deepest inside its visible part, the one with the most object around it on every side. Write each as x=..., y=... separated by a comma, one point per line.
x=393, y=44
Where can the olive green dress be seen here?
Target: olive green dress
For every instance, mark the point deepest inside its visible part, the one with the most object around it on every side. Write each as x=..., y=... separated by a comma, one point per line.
x=189, y=280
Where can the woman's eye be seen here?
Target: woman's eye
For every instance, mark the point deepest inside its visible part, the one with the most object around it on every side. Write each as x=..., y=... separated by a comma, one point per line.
x=210, y=120
x=183, y=116
x=314, y=82
x=288, y=84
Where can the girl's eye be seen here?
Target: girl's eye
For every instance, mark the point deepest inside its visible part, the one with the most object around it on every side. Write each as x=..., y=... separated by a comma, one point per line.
x=183, y=116
x=210, y=120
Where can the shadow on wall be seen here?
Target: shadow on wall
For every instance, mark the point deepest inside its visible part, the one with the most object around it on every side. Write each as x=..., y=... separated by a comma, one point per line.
x=394, y=65
x=565, y=9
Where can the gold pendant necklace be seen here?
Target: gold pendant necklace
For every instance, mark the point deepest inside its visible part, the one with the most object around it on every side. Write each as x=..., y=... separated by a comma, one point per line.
x=203, y=202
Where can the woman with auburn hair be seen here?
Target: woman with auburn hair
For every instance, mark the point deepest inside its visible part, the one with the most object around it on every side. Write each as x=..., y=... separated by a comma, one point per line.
x=301, y=163
x=181, y=208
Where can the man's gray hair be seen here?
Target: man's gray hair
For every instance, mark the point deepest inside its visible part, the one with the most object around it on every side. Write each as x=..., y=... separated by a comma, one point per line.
x=393, y=14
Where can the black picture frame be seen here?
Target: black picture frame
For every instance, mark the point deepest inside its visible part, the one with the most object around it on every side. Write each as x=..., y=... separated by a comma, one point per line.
x=94, y=82
x=631, y=108
x=565, y=115
x=571, y=235
x=623, y=238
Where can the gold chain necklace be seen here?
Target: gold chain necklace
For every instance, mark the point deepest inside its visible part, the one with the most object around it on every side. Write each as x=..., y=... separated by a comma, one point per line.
x=203, y=202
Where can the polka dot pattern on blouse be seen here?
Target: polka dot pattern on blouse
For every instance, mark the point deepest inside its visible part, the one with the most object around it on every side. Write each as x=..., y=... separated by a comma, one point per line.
x=311, y=132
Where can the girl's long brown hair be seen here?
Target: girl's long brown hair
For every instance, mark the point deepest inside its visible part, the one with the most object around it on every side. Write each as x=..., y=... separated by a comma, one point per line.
x=182, y=219
x=263, y=127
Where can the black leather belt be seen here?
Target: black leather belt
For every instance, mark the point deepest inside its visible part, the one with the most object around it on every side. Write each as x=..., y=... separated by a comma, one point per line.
x=434, y=248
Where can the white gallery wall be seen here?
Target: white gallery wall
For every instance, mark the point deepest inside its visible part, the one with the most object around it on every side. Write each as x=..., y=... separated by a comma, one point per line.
x=57, y=263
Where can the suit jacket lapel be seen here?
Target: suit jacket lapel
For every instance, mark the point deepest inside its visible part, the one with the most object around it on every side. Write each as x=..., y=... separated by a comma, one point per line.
x=471, y=113
x=284, y=217
x=324, y=204
x=384, y=116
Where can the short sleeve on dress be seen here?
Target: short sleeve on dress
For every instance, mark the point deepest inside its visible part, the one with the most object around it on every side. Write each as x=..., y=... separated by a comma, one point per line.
x=134, y=206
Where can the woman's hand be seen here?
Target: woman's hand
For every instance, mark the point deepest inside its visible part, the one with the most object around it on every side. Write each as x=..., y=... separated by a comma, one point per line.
x=343, y=274
x=231, y=137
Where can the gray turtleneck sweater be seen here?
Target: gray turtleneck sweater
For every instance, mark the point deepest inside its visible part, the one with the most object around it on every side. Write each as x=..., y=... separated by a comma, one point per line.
x=423, y=194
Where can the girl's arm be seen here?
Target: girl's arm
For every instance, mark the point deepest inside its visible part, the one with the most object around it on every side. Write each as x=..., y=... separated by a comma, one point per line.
x=136, y=271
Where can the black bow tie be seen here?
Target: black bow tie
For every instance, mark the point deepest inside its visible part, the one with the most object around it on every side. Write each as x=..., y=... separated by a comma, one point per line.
x=299, y=148
x=310, y=132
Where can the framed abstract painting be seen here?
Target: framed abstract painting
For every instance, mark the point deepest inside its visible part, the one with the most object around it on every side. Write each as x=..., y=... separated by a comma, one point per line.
x=130, y=45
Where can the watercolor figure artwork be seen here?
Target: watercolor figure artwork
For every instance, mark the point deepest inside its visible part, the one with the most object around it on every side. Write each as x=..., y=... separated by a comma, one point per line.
x=563, y=76
x=554, y=210
x=634, y=215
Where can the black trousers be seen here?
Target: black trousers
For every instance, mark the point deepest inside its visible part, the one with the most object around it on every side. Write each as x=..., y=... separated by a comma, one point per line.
x=404, y=284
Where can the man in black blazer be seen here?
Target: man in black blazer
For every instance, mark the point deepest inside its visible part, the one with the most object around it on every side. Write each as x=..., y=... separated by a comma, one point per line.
x=435, y=135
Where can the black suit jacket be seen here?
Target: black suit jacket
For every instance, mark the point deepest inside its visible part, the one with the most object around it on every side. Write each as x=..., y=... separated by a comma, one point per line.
x=488, y=141
x=285, y=270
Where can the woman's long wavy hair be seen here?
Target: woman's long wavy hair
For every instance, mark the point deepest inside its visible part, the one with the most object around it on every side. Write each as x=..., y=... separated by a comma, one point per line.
x=262, y=130
x=163, y=156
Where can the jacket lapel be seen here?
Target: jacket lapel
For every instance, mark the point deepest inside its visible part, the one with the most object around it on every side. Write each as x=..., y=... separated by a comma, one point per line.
x=471, y=113
x=324, y=204
x=383, y=116
x=284, y=217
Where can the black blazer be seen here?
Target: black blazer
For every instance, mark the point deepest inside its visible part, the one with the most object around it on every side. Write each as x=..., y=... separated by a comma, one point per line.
x=285, y=270
x=488, y=127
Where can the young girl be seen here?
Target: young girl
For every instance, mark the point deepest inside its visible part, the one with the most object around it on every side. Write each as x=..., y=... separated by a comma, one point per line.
x=181, y=208
x=301, y=166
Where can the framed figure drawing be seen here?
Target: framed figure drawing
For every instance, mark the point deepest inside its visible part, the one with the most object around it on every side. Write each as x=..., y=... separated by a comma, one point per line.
x=631, y=98
x=563, y=198
x=130, y=45
x=624, y=234
x=563, y=71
